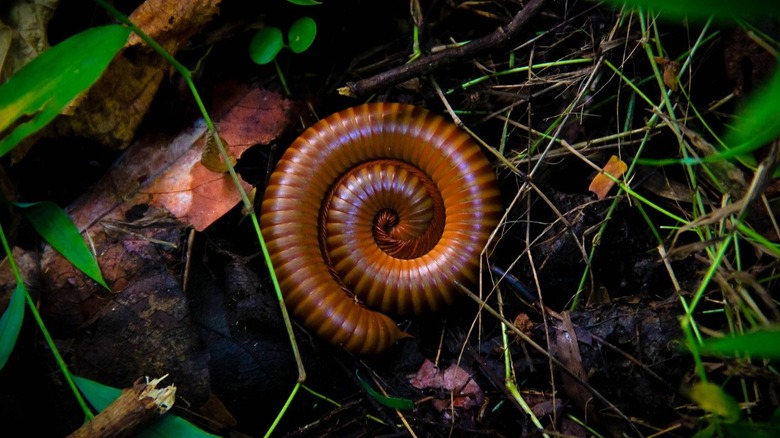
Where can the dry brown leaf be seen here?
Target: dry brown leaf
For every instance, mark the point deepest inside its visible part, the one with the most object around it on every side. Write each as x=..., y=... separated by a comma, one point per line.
x=215, y=412
x=23, y=34
x=658, y=183
x=168, y=174
x=113, y=108
x=161, y=181
x=602, y=184
x=671, y=70
x=568, y=352
x=523, y=323
x=137, y=219
x=212, y=159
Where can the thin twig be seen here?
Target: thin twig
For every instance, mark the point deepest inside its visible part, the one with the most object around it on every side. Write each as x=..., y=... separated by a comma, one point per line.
x=499, y=38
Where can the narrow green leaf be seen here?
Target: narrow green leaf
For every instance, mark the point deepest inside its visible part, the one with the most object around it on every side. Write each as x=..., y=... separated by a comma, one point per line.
x=97, y=394
x=703, y=9
x=100, y=396
x=265, y=45
x=712, y=398
x=305, y=2
x=752, y=429
x=54, y=225
x=171, y=426
x=301, y=34
x=391, y=402
x=706, y=432
x=37, y=93
x=11, y=324
x=759, y=344
x=757, y=123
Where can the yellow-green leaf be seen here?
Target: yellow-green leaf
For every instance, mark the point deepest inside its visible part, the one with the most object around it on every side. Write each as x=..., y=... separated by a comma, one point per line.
x=713, y=399
x=37, y=93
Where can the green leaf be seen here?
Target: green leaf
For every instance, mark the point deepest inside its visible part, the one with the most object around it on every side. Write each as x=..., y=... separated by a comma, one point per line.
x=100, y=396
x=757, y=123
x=54, y=225
x=97, y=394
x=305, y=2
x=712, y=398
x=703, y=9
x=37, y=93
x=11, y=324
x=301, y=34
x=265, y=45
x=171, y=426
x=752, y=429
x=391, y=402
x=759, y=344
x=706, y=432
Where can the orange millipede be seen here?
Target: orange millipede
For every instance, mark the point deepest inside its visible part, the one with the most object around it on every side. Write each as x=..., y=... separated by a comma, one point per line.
x=381, y=206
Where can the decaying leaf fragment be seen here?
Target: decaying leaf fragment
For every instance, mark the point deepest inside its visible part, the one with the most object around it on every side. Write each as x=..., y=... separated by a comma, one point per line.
x=211, y=159
x=466, y=393
x=602, y=184
x=671, y=70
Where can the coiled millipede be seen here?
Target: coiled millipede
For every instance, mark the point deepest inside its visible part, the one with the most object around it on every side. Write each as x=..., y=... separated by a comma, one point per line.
x=381, y=206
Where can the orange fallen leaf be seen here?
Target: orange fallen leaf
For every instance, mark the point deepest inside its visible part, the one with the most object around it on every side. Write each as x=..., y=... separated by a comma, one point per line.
x=137, y=219
x=602, y=184
x=168, y=173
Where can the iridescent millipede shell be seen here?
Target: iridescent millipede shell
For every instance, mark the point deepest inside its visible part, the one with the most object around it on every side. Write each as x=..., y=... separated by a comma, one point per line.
x=381, y=206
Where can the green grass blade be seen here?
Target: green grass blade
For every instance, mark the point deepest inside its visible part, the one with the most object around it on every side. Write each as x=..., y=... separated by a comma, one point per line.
x=758, y=344
x=11, y=324
x=51, y=222
x=37, y=93
x=100, y=396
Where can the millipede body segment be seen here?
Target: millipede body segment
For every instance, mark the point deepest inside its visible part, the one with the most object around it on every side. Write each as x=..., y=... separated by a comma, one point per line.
x=377, y=208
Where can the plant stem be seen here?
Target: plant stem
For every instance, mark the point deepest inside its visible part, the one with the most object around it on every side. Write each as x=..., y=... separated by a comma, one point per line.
x=49, y=341
x=231, y=170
